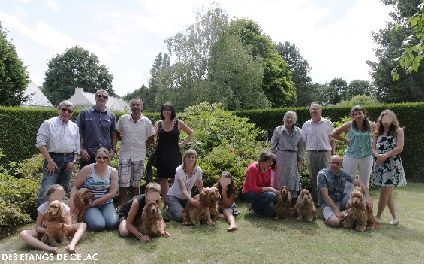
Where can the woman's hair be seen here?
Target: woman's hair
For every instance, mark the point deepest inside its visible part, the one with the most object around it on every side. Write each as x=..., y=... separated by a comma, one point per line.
x=103, y=150
x=153, y=186
x=292, y=114
x=266, y=156
x=167, y=106
x=231, y=189
x=393, y=127
x=190, y=152
x=53, y=188
x=366, y=124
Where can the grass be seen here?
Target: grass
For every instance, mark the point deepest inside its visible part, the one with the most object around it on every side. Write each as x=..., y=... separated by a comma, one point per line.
x=265, y=241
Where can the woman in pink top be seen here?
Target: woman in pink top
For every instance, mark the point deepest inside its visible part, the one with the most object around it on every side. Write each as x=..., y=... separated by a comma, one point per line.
x=257, y=188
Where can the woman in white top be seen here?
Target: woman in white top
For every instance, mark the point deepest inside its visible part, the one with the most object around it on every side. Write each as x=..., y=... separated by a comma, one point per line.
x=179, y=195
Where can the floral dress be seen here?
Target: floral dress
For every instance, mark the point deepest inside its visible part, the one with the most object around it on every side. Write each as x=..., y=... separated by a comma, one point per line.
x=390, y=172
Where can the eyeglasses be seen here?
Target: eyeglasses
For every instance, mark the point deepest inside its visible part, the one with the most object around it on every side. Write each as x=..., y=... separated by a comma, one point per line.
x=103, y=157
x=66, y=109
x=102, y=96
x=335, y=162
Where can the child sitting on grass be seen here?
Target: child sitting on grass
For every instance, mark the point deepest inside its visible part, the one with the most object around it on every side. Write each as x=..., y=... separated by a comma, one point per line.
x=33, y=237
x=133, y=210
x=227, y=205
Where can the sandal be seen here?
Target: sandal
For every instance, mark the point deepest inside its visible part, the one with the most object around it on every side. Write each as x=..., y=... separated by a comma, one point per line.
x=394, y=222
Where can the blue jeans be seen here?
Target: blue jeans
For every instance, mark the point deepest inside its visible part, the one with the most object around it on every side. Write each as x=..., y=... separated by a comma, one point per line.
x=101, y=216
x=262, y=203
x=59, y=176
x=175, y=207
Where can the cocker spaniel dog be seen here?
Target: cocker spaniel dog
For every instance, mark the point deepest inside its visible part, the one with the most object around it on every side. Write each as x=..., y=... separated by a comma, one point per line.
x=82, y=199
x=151, y=220
x=207, y=212
x=358, y=217
x=305, y=207
x=283, y=203
x=55, y=215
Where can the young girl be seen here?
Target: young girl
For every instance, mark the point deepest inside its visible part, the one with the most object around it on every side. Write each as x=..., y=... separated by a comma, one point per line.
x=32, y=237
x=227, y=205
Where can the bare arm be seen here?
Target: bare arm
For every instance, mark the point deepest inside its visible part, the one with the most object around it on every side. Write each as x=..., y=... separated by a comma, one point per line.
x=131, y=217
x=338, y=131
x=400, y=141
x=51, y=165
x=183, y=189
x=187, y=130
x=38, y=224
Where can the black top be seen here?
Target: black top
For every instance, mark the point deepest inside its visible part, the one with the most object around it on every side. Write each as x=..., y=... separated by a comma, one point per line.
x=168, y=152
x=141, y=203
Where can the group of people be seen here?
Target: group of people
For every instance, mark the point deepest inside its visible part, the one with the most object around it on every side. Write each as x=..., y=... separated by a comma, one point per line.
x=94, y=135
x=372, y=153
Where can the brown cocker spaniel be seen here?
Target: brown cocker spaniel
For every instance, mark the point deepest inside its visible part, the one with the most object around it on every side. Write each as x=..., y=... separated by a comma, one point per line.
x=283, y=206
x=151, y=220
x=358, y=217
x=305, y=207
x=55, y=215
x=82, y=199
x=207, y=212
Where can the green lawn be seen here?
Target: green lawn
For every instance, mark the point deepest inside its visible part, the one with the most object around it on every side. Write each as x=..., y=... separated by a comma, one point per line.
x=265, y=241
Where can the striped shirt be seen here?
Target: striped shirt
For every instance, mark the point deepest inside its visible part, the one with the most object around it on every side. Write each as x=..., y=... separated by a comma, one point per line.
x=98, y=186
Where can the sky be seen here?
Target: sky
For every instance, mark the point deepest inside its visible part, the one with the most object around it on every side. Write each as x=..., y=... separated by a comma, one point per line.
x=334, y=36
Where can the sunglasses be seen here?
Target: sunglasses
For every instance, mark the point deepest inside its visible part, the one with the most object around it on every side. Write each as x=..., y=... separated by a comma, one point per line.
x=103, y=157
x=102, y=96
x=66, y=109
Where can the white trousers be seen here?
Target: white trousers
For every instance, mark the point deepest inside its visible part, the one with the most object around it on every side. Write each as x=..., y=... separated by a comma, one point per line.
x=363, y=166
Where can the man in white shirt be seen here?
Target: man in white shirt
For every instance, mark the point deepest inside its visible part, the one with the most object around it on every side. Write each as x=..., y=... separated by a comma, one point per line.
x=134, y=130
x=58, y=140
x=319, y=145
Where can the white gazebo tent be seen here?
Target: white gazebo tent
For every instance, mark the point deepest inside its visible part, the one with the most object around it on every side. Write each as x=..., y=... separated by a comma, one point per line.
x=81, y=98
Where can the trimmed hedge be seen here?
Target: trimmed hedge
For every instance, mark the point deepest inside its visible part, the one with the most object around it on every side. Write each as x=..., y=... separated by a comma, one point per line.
x=19, y=126
x=409, y=115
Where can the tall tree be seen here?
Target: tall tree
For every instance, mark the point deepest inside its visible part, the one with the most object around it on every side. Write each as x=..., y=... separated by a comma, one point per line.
x=359, y=87
x=334, y=91
x=277, y=83
x=390, y=40
x=13, y=75
x=300, y=72
x=235, y=76
x=75, y=67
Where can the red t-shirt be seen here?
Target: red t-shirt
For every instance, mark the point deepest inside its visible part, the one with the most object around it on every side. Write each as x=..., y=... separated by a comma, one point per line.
x=255, y=179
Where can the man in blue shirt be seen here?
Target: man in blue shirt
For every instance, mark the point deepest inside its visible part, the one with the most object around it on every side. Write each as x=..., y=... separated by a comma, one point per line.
x=97, y=129
x=332, y=192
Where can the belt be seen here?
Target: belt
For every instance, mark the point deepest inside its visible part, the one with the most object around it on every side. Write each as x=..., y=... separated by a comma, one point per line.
x=61, y=154
x=317, y=150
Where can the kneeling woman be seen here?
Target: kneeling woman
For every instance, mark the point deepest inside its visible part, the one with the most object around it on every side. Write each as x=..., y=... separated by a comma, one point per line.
x=179, y=195
x=102, y=180
x=257, y=188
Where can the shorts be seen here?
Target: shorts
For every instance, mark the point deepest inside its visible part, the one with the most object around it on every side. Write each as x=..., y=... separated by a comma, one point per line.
x=130, y=172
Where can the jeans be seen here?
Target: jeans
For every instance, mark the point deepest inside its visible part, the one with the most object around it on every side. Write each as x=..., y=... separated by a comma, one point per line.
x=59, y=176
x=262, y=203
x=101, y=216
x=175, y=207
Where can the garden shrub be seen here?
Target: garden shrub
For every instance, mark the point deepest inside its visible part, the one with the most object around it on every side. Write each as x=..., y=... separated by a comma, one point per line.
x=11, y=218
x=223, y=141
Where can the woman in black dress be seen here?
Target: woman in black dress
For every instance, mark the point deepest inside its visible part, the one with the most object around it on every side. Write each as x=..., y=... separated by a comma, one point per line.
x=168, y=149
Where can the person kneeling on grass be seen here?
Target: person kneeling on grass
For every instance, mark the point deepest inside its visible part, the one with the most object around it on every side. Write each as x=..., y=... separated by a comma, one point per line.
x=133, y=210
x=333, y=194
x=33, y=237
x=227, y=205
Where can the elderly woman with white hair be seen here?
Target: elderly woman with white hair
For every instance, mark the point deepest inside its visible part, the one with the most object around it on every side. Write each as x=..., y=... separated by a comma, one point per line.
x=288, y=146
